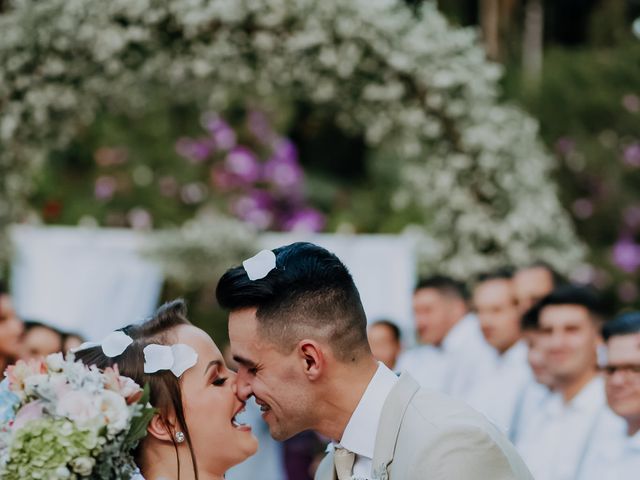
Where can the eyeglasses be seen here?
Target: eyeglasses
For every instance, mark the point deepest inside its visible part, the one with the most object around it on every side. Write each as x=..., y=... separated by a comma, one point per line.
x=627, y=369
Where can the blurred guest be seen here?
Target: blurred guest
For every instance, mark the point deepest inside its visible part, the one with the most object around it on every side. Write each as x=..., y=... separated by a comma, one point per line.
x=384, y=340
x=71, y=341
x=39, y=340
x=450, y=336
x=534, y=282
x=11, y=328
x=554, y=444
x=615, y=450
x=539, y=388
x=501, y=393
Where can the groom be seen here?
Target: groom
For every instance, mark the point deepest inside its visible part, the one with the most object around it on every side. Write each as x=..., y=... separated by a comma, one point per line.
x=298, y=332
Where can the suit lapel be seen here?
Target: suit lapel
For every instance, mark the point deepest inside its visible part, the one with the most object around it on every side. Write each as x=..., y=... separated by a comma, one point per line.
x=393, y=412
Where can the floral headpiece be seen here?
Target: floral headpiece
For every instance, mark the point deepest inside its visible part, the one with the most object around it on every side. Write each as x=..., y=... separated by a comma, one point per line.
x=178, y=357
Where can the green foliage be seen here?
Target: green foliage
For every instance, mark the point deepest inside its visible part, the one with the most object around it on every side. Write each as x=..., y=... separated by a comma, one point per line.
x=589, y=109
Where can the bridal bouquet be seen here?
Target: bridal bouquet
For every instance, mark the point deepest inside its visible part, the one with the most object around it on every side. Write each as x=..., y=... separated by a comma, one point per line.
x=60, y=419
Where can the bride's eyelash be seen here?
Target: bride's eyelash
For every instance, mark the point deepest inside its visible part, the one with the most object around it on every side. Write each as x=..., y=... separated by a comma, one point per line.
x=218, y=382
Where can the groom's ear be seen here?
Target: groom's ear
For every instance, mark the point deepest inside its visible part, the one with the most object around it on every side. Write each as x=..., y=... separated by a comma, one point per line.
x=159, y=428
x=312, y=358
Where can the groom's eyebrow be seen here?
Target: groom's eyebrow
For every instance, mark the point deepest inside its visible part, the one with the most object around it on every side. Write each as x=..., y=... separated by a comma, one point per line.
x=244, y=362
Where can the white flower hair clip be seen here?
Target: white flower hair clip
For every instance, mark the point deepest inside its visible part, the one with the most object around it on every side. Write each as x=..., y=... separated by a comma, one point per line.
x=260, y=265
x=178, y=358
x=112, y=345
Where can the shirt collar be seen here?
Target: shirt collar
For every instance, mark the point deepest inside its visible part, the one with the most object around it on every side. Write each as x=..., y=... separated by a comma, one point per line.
x=516, y=355
x=359, y=436
x=457, y=336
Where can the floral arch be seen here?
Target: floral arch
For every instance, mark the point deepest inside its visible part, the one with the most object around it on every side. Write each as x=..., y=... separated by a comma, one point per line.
x=406, y=81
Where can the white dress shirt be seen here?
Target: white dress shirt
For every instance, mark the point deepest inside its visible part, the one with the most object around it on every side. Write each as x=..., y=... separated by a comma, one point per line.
x=499, y=396
x=556, y=441
x=612, y=454
x=530, y=404
x=455, y=366
x=359, y=435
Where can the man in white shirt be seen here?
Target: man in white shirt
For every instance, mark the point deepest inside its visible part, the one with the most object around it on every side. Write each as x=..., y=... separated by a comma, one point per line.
x=500, y=395
x=297, y=330
x=555, y=442
x=534, y=282
x=615, y=449
x=452, y=355
x=384, y=340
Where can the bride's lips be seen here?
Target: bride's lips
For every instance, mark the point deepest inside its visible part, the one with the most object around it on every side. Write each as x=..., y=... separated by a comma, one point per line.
x=234, y=421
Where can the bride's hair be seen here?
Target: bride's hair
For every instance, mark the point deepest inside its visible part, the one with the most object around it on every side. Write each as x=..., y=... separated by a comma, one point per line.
x=163, y=385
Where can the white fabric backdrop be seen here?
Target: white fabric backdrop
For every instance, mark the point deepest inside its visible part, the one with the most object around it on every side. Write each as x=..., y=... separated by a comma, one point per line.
x=89, y=281
x=93, y=280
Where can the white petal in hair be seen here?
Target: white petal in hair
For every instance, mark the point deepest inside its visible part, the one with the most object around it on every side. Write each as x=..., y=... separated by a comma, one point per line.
x=177, y=358
x=184, y=357
x=112, y=345
x=260, y=265
x=115, y=343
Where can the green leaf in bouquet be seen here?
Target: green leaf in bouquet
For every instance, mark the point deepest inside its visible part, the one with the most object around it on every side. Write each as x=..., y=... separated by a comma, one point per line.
x=139, y=423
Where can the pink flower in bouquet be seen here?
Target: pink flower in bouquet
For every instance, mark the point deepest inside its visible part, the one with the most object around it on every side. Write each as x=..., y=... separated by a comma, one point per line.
x=18, y=373
x=30, y=411
x=78, y=406
x=124, y=386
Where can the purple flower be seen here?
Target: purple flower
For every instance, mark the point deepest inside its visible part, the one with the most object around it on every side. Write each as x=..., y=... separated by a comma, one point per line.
x=631, y=155
x=304, y=220
x=222, y=134
x=284, y=150
x=105, y=187
x=260, y=127
x=140, y=219
x=565, y=145
x=284, y=175
x=582, y=208
x=631, y=103
x=631, y=216
x=243, y=163
x=196, y=151
x=626, y=254
x=627, y=292
x=193, y=193
x=255, y=207
x=168, y=186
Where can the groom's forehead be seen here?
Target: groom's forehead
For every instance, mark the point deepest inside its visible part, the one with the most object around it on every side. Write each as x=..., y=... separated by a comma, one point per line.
x=243, y=324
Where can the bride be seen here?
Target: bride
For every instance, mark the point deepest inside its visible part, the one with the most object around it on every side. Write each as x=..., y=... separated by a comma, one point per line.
x=194, y=433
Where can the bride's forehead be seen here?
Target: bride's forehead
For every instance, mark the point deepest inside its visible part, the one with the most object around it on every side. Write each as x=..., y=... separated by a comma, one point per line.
x=197, y=339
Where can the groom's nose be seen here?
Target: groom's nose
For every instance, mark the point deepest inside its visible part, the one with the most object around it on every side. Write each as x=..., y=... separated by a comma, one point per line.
x=243, y=386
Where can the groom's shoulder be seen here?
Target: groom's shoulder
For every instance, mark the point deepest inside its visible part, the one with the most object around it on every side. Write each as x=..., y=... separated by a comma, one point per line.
x=429, y=408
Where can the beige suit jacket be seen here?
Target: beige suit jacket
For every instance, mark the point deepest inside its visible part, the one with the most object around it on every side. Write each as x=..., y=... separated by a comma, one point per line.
x=428, y=436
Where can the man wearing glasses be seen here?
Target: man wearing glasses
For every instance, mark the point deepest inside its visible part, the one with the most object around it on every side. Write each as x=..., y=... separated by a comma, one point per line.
x=615, y=454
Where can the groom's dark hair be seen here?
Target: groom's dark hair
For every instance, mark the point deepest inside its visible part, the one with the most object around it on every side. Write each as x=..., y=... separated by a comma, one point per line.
x=309, y=293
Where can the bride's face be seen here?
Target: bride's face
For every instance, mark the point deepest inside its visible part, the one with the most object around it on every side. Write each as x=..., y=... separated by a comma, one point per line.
x=210, y=406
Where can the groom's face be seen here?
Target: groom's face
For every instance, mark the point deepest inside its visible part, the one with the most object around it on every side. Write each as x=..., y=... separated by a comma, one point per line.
x=274, y=379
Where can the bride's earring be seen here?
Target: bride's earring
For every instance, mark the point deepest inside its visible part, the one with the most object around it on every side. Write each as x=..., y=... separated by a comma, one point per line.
x=179, y=436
